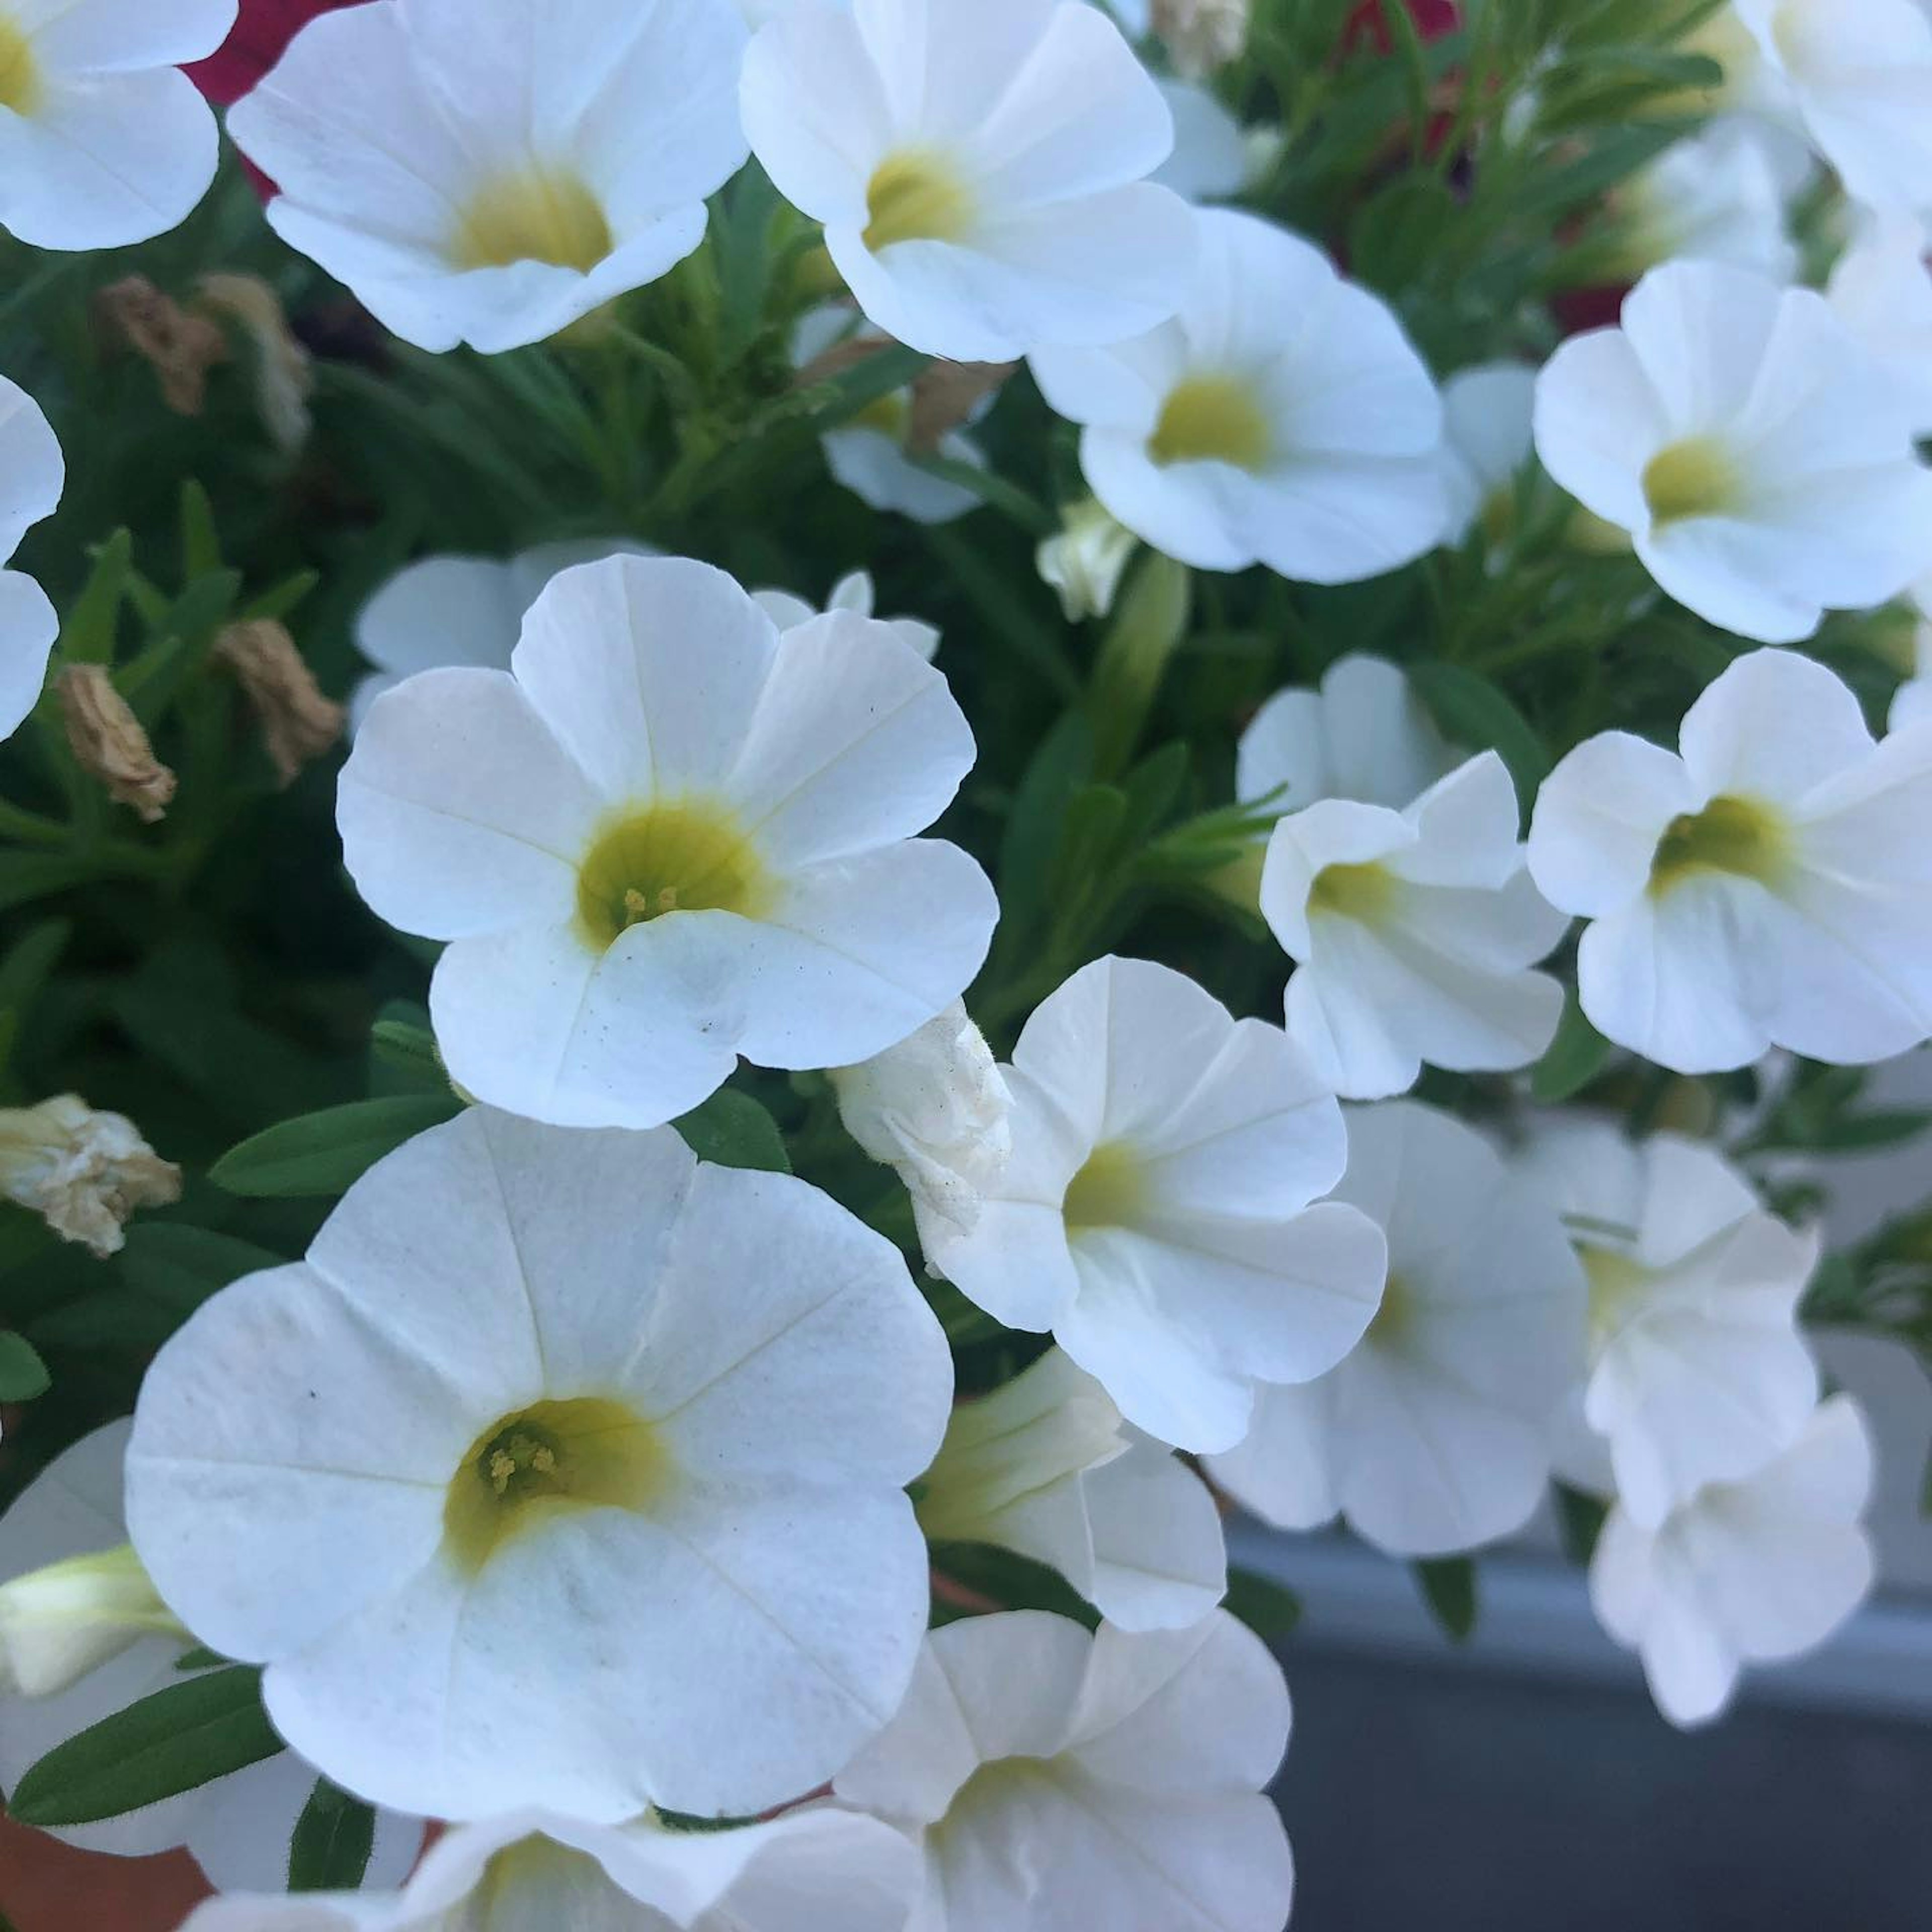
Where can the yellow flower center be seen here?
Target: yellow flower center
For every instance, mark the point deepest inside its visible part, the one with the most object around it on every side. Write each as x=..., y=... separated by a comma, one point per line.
x=889, y=415
x=20, y=87
x=538, y=1882
x=1615, y=1280
x=1695, y=478
x=915, y=195
x=1108, y=1190
x=1212, y=419
x=1363, y=893
x=585, y=1453
x=537, y=214
x=1397, y=1314
x=683, y=856
x=1738, y=835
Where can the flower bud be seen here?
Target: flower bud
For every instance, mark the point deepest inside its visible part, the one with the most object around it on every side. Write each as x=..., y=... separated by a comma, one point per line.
x=84, y=1172
x=58, y=1624
x=1201, y=35
x=935, y=1107
x=109, y=744
x=1085, y=563
x=298, y=723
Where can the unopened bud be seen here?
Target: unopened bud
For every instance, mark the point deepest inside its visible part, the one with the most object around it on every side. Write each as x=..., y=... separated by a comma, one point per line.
x=84, y=1172
x=109, y=744
x=1084, y=564
x=179, y=346
x=58, y=1624
x=298, y=724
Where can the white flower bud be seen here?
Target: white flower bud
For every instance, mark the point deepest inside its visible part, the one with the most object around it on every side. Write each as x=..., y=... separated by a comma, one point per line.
x=934, y=1107
x=85, y=1172
x=58, y=1624
x=1085, y=563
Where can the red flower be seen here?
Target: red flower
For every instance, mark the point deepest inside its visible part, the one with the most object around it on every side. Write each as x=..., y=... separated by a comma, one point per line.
x=1367, y=26
x=261, y=35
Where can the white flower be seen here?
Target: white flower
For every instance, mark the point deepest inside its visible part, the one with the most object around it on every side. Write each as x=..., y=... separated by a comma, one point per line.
x=442, y=611
x=1486, y=439
x=1029, y=1756
x=670, y=836
x=479, y=173
x=84, y=1173
x=1754, y=450
x=1084, y=562
x=31, y=476
x=815, y=1870
x=1756, y=1571
x=978, y=170
x=935, y=1107
x=1883, y=293
x=1765, y=886
x=1155, y=1214
x=1436, y=1435
x=1718, y=197
x=560, y=1453
x=1364, y=735
x=1044, y=1465
x=854, y=592
x=1856, y=75
x=1213, y=159
x=58, y=1622
x=1698, y=1372
x=238, y=1827
x=1414, y=933
x=1225, y=438
x=102, y=141
x=871, y=454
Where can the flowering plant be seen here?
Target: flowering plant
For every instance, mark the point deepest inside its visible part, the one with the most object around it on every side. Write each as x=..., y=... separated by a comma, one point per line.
x=728, y=727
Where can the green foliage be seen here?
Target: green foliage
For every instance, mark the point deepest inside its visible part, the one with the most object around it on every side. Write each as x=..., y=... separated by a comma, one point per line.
x=330, y=1850
x=1448, y=1587
x=326, y=1153
x=1268, y=1608
x=732, y=1129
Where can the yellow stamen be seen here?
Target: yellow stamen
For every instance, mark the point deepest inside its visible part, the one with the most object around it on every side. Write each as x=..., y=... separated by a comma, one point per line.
x=541, y=215
x=682, y=856
x=1695, y=478
x=1212, y=419
x=916, y=197
x=1737, y=835
x=21, y=89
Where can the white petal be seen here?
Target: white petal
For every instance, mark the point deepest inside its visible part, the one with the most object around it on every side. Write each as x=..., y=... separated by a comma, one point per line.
x=29, y=626
x=1599, y=816
x=1283, y=1469
x=32, y=472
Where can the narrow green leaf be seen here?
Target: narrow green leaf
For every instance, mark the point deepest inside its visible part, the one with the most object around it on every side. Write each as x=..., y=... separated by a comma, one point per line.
x=1580, y=1519
x=201, y=547
x=178, y=1267
x=325, y=1153
x=174, y=1740
x=1473, y=712
x=1268, y=1608
x=1009, y=1580
x=333, y=1839
x=1575, y=1058
x=1448, y=1585
x=30, y=963
x=87, y=636
x=732, y=1129
x=23, y=1375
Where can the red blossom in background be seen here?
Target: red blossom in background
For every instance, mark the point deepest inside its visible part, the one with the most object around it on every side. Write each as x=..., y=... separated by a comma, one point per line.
x=1368, y=26
x=261, y=35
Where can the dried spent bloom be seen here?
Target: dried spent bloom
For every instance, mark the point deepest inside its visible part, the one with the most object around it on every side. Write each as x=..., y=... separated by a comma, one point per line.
x=109, y=744
x=1201, y=35
x=298, y=723
x=85, y=1172
x=179, y=346
x=284, y=370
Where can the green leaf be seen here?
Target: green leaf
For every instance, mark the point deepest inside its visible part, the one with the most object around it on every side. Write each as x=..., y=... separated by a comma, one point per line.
x=1267, y=1609
x=402, y=1052
x=23, y=1375
x=733, y=1130
x=1472, y=712
x=1579, y=1518
x=1575, y=1058
x=30, y=962
x=178, y=1267
x=1011, y=1581
x=1448, y=1585
x=1858, y=1133
x=333, y=1839
x=325, y=1153
x=87, y=636
x=1062, y=765
x=175, y=1741
x=201, y=546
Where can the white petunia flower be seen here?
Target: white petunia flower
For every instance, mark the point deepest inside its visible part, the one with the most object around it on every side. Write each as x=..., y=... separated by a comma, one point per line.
x=1213, y=159
x=871, y=454
x=443, y=610
x=1487, y=437
x=1083, y=561
x=936, y=1108
x=1364, y=735
x=1057, y=1782
x=1698, y=1372
x=124, y=1647
x=1155, y=1215
x=1767, y=885
x=1044, y=1465
x=1856, y=76
x=1757, y=1571
x=103, y=140
x=815, y=1870
x=1719, y=196
x=1436, y=1435
x=1883, y=293
x=1225, y=438
x=1754, y=450
x=32, y=475
x=668, y=837
x=478, y=171
x=854, y=592
x=1414, y=934
x=560, y=1453
x=979, y=170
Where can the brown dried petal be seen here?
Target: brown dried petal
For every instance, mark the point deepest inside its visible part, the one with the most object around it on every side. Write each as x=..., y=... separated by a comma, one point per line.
x=298, y=723
x=178, y=345
x=108, y=742
x=945, y=395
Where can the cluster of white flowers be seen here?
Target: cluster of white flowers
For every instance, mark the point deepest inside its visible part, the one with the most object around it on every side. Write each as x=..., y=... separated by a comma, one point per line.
x=571, y=1489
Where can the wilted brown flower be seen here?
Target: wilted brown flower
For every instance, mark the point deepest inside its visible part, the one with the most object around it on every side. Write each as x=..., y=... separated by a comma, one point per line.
x=284, y=370
x=179, y=346
x=1201, y=35
x=298, y=723
x=84, y=1172
x=108, y=742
